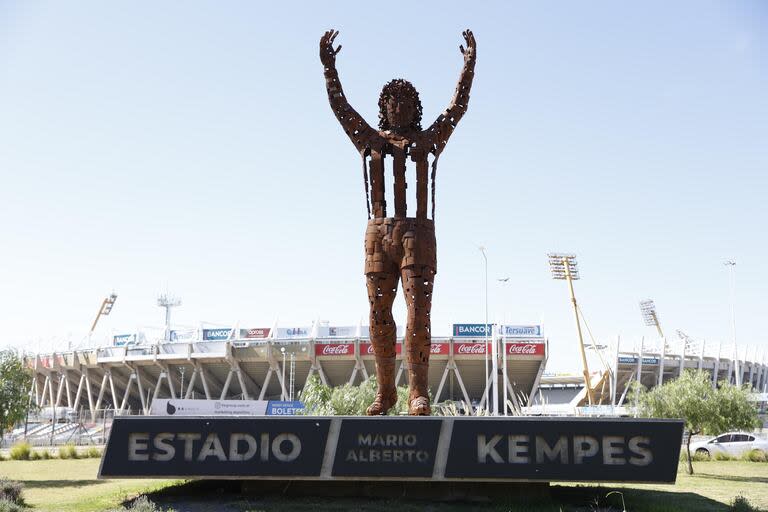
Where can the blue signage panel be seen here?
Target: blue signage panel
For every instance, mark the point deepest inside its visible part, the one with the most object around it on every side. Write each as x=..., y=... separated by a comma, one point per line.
x=119, y=340
x=216, y=334
x=633, y=360
x=521, y=331
x=472, y=330
x=284, y=407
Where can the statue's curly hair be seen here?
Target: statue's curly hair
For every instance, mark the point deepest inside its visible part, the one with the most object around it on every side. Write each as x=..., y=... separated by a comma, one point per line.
x=399, y=88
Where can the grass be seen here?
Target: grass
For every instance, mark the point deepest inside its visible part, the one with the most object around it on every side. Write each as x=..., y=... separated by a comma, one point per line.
x=70, y=485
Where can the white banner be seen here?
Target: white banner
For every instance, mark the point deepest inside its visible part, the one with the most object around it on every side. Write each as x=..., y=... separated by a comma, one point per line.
x=188, y=407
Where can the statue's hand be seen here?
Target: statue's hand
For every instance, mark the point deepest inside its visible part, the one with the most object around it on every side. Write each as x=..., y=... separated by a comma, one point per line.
x=327, y=53
x=471, y=50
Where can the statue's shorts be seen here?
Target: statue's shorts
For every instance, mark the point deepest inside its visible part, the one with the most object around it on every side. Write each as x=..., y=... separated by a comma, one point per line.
x=392, y=244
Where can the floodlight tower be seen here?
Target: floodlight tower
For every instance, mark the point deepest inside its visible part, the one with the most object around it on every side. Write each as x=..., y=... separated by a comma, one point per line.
x=168, y=301
x=565, y=267
x=106, y=307
x=651, y=319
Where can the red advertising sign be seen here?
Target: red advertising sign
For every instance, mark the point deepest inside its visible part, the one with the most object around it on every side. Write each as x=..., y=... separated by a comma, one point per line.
x=439, y=349
x=335, y=349
x=470, y=349
x=258, y=332
x=46, y=361
x=366, y=349
x=525, y=349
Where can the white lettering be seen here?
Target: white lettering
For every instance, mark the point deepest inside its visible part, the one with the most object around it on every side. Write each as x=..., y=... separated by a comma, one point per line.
x=611, y=453
x=486, y=448
x=584, y=446
x=638, y=445
x=211, y=448
x=188, y=440
x=162, y=442
x=544, y=450
x=138, y=441
x=518, y=449
x=234, y=440
x=295, y=451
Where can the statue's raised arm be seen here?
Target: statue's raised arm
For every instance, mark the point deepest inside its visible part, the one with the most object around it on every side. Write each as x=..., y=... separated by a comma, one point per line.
x=443, y=126
x=359, y=132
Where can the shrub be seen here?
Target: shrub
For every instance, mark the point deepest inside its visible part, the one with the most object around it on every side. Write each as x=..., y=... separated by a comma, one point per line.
x=93, y=452
x=724, y=456
x=698, y=457
x=20, y=451
x=10, y=491
x=9, y=506
x=45, y=454
x=34, y=455
x=140, y=504
x=68, y=451
x=2, y=457
x=755, y=455
x=742, y=504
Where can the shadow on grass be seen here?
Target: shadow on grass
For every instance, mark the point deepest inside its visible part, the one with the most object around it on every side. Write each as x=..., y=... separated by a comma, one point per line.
x=54, y=484
x=732, y=478
x=229, y=496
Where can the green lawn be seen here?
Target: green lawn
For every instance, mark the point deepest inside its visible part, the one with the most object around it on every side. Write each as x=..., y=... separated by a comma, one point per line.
x=71, y=485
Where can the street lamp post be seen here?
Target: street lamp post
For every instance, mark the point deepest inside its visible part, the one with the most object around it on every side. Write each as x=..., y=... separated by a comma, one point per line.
x=494, y=365
x=732, y=285
x=282, y=350
x=565, y=267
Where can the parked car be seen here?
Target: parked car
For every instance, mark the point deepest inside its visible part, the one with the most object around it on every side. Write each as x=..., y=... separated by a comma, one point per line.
x=730, y=443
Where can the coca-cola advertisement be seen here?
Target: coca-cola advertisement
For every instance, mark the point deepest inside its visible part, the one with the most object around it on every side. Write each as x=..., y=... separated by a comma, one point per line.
x=366, y=349
x=335, y=349
x=439, y=349
x=470, y=349
x=525, y=349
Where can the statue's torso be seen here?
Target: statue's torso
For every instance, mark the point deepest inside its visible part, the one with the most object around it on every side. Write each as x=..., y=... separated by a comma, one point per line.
x=395, y=164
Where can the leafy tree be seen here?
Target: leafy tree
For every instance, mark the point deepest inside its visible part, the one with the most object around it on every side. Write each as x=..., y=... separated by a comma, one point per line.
x=14, y=389
x=704, y=409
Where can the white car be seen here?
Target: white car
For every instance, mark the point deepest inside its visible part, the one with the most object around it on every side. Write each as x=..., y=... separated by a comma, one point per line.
x=730, y=443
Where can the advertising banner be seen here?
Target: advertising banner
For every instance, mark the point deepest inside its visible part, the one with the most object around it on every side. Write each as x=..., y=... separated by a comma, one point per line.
x=470, y=349
x=284, y=408
x=120, y=340
x=183, y=335
x=525, y=349
x=472, y=330
x=255, y=333
x=190, y=407
x=394, y=448
x=349, y=331
x=217, y=334
x=366, y=349
x=293, y=332
x=335, y=349
x=633, y=360
x=521, y=331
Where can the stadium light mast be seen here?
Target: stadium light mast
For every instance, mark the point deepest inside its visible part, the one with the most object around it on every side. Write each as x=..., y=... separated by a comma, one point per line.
x=564, y=267
x=106, y=307
x=650, y=317
x=168, y=302
x=495, y=363
x=732, y=282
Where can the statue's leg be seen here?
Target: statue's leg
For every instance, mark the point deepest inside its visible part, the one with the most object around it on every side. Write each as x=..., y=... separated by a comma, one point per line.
x=382, y=289
x=417, y=287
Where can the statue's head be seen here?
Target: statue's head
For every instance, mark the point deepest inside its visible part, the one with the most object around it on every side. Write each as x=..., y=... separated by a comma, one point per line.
x=399, y=107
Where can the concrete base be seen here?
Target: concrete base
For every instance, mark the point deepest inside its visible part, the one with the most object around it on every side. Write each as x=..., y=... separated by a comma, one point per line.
x=433, y=491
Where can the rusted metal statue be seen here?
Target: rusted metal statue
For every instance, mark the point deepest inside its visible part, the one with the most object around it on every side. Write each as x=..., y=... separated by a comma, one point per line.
x=399, y=246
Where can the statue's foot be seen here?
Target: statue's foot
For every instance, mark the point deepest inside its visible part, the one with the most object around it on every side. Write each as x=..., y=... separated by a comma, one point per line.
x=382, y=404
x=419, y=406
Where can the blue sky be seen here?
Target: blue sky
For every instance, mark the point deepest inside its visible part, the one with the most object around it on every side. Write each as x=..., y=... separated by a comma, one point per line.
x=190, y=147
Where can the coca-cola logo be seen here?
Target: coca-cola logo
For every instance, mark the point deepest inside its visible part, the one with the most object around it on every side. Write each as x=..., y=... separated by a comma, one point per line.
x=525, y=349
x=342, y=349
x=470, y=348
x=438, y=348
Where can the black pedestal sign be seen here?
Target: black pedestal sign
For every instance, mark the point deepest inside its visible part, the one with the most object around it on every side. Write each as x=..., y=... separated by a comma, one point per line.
x=395, y=448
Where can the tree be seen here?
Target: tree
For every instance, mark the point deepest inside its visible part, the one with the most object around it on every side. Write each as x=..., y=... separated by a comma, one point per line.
x=704, y=408
x=14, y=389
